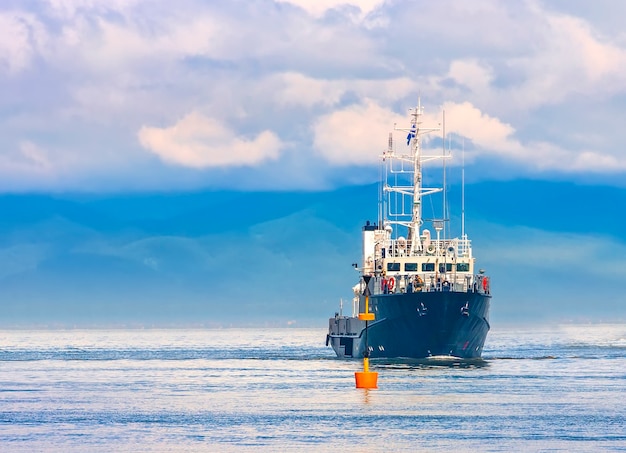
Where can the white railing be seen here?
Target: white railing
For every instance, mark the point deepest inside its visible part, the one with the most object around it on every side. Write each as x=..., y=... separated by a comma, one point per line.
x=445, y=247
x=429, y=282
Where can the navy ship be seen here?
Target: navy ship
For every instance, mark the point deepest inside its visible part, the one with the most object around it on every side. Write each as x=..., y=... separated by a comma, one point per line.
x=427, y=296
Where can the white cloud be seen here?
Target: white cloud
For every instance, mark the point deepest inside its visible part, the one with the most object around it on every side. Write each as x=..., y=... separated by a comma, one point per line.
x=318, y=8
x=356, y=135
x=471, y=73
x=26, y=157
x=34, y=154
x=592, y=57
x=21, y=36
x=200, y=142
x=486, y=132
x=107, y=47
x=68, y=9
x=297, y=89
x=493, y=137
x=572, y=60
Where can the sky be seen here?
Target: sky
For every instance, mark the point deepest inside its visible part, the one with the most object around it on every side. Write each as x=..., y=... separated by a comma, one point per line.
x=138, y=113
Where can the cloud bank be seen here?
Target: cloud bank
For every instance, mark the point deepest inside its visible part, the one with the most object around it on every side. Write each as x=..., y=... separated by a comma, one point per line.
x=149, y=94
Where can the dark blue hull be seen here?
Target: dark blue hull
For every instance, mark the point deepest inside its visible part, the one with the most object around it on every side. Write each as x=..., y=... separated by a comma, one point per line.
x=426, y=324
x=416, y=325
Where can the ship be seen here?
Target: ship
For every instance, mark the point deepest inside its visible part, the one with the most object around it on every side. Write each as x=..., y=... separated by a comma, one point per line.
x=427, y=298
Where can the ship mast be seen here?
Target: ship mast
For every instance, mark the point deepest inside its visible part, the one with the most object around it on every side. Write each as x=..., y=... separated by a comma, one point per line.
x=416, y=220
x=415, y=133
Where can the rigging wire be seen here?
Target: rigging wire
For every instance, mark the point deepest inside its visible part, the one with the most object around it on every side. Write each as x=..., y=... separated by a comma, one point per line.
x=446, y=224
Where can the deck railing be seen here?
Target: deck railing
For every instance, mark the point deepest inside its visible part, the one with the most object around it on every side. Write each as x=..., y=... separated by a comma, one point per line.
x=429, y=282
x=448, y=247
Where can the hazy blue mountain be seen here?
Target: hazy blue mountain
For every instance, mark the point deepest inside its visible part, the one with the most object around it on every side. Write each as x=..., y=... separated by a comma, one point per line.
x=553, y=206
x=222, y=258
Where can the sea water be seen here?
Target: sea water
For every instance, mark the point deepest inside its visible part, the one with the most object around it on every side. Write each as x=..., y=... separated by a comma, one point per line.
x=552, y=389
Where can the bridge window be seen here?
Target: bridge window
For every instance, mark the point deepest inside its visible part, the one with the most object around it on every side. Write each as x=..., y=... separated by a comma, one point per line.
x=428, y=267
x=393, y=267
x=410, y=267
x=462, y=267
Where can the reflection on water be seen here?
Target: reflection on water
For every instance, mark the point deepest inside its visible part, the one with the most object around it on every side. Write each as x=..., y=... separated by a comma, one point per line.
x=430, y=362
x=266, y=390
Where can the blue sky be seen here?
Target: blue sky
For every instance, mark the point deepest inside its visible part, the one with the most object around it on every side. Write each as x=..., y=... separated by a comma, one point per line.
x=127, y=118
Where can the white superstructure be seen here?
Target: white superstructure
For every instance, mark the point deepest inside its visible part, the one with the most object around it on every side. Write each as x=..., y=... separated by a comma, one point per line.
x=417, y=280
x=400, y=250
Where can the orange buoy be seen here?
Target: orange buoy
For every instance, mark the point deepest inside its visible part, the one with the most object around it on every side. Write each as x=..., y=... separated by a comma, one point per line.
x=366, y=379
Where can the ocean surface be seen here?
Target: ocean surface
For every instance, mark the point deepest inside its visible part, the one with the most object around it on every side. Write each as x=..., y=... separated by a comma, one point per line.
x=553, y=389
